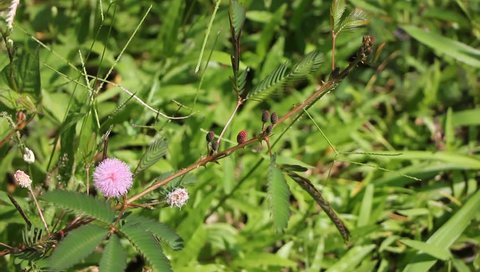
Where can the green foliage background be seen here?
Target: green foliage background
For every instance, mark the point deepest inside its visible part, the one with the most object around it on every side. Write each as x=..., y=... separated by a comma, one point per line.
x=401, y=164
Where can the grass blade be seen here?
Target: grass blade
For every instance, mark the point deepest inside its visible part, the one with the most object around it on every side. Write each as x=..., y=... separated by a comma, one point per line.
x=443, y=45
x=447, y=234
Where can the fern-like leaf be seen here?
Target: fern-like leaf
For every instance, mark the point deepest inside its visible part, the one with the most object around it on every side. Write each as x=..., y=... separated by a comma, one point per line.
x=35, y=247
x=82, y=204
x=158, y=229
x=76, y=246
x=237, y=17
x=282, y=76
x=114, y=257
x=156, y=151
x=279, y=194
x=148, y=245
x=336, y=12
x=241, y=81
x=355, y=19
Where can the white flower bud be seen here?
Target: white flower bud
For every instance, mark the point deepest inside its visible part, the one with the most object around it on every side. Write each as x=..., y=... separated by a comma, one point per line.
x=28, y=156
x=22, y=179
x=177, y=197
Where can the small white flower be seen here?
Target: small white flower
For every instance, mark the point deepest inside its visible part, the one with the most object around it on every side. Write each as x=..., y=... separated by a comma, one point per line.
x=177, y=197
x=28, y=156
x=22, y=179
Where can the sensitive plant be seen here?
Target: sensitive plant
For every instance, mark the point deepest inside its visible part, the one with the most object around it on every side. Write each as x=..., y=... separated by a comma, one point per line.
x=128, y=214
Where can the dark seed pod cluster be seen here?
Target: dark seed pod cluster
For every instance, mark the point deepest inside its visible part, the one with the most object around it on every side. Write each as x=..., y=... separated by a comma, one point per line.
x=241, y=137
x=274, y=118
x=265, y=116
x=210, y=136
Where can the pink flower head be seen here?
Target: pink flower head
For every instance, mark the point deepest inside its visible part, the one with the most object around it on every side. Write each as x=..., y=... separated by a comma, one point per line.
x=22, y=179
x=112, y=177
x=177, y=197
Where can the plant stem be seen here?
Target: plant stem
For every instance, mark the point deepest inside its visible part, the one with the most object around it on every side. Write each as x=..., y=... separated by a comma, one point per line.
x=239, y=103
x=39, y=209
x=334, y=43
x=19, y=209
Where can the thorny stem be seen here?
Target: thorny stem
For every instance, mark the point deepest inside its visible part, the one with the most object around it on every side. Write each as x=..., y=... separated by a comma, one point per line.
x=39, y=209
x=120, y=215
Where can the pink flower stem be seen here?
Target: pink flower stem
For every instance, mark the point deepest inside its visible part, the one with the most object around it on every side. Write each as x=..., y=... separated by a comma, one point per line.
x=39, y=209
x=239, y=103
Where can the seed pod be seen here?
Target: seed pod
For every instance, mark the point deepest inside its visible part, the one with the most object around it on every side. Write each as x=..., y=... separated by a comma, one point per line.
x=274, y=118
x=268, y=130
x=265, y=116
x=210, y=136
x=241, y=137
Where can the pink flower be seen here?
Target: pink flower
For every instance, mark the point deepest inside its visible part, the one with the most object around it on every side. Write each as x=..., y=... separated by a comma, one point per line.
x=112, y=177
x=22, y=179
x=177, y=197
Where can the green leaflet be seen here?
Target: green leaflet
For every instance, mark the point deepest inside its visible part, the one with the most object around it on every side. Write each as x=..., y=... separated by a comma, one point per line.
x=76, y=246
x=156, y=151
x=114, y=257
x=336, y=12
x=282, y=76
x=355, y=19
x=82, y=204
x=237, y=17
x=279, y=194
x=158, y=229
x=148, y=245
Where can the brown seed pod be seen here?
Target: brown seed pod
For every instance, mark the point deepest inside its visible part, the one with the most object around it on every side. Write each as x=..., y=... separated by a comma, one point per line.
x=274, y=118
x=265, y=116
x=210, y=136
x=242, y=137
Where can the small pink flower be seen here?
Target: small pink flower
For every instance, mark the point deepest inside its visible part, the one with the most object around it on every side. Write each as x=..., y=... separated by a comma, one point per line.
x=22, y=179
x=113, y=178
x=177, y=197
